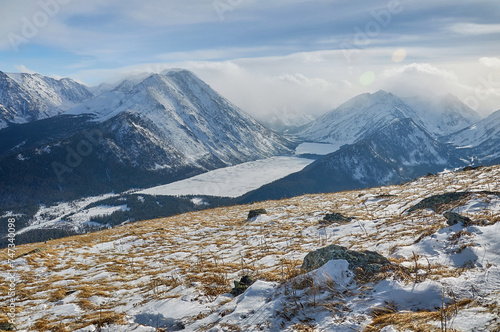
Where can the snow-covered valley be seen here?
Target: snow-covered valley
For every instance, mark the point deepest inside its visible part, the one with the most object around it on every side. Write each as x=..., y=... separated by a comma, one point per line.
x=233, y=181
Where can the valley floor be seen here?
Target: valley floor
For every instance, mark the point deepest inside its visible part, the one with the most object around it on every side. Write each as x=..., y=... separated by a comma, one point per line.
x=176, y=273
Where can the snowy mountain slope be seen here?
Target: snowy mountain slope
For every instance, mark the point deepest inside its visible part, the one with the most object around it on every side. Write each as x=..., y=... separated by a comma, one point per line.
x=367, y=113
x=29, y=97
x=176, y=273
x=185, y=115
x=480, y=141
x=443, y=116
x=357, y=119
x=398, y=152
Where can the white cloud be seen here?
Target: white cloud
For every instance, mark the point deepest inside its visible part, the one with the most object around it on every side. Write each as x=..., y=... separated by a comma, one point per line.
x=417, y=79
x=476, y=85
x=24, y=69
x=490, y=62
x=474, y=29
x=421, y=69
x=315, y=82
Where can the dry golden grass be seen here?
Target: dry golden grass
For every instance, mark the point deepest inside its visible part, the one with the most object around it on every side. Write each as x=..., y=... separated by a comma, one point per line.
x=87, y=291
x=57, y=294
x=414, y=321
x=303, y=327
x=86, y=305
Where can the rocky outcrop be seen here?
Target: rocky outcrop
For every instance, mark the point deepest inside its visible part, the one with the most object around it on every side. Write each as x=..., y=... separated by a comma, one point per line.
x=241, y=286
x=255, y=213
x=369, y=262
x=335, y=217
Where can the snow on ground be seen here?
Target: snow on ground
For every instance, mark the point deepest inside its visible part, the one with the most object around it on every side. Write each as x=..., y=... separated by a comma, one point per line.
x=233, y=181
x=102, y=210
x=176, y=273
x=316, y=148
x=73, y=212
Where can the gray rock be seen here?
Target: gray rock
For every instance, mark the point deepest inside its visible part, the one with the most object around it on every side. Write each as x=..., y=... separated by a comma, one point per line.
x=7, y=327
x=453, y=218
x=335, y=218
x=255, y=213
x=369, y=261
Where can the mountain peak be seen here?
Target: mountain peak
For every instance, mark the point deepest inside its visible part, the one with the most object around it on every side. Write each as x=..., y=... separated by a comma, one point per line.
x=358, y=118
x=381, y=93
x=176, y=70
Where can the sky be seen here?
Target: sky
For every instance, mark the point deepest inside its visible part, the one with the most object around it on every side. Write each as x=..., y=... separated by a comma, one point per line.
x=267, y=57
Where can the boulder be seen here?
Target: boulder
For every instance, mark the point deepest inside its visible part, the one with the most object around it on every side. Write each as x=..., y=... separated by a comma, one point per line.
x=438, y=202
x=367, y=262
x=241, y=286
x=453, y=218
x=255, y=213
x=7, y=327
x=443, y=202
x=335, y=217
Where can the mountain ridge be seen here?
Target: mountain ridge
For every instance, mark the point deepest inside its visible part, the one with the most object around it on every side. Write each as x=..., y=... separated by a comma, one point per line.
x=29, y=97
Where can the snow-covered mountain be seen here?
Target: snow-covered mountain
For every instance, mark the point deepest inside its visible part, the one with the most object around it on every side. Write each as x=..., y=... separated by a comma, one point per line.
x=357, y=119
x=397, y=152
x=178, y=113
x=443, y=115
x=166, y=128
x=29, y=97
x=367, y=113
x=481, y=141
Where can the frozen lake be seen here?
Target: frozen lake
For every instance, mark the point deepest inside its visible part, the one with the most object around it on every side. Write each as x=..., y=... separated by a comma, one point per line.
x=233, y=181
x=317, y=148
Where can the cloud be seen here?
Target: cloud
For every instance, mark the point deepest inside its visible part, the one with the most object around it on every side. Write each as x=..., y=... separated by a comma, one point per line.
x=420, y=79
x=417, y=79
x=476, y=84
x=24, y=69
x=474, y=28
x=420, y=69
x=490, y=62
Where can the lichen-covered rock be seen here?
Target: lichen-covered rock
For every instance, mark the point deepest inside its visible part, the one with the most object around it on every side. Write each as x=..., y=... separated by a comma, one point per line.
x=369, y=262
x=437, y=202
x=442, y=202
x=453, y=218
x=335, y=218
x=241, y=286
x=255, y=213
x=7, y=327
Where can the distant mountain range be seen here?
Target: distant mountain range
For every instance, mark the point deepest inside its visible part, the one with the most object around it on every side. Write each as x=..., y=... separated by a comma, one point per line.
x=366, y=114
x=166, y=127
x=61, y=141
x=381, y=139
x=29, y=97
